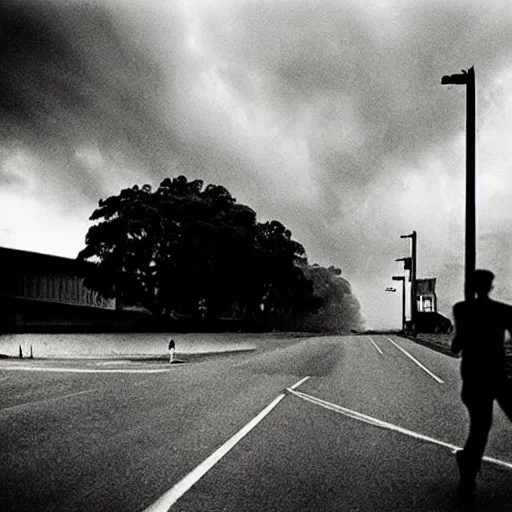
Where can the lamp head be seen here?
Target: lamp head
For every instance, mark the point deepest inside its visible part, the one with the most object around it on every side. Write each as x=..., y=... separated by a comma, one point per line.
x=457, y=79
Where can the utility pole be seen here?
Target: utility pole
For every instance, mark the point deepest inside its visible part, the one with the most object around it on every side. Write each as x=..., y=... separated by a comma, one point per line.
x=467, y=78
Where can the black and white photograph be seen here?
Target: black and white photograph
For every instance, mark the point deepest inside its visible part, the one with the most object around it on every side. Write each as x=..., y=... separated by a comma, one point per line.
x=256, y=255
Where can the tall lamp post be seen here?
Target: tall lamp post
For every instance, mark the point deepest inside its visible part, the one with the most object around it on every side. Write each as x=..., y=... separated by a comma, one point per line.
x=467, y=78
x=402, y=278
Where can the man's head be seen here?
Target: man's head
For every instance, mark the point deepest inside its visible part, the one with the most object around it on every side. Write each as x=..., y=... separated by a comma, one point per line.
x=483, y=282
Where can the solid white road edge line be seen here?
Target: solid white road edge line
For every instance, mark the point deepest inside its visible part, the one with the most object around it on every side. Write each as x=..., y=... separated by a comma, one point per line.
x=77, y=370
x=389, y=426
x=375, y=344
x=435, y=377
x=169, y=498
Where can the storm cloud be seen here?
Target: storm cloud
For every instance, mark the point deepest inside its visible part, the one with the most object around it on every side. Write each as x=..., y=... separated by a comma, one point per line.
x=327, y=116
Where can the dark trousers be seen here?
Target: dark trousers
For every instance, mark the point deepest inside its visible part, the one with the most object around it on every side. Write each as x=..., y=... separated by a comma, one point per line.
x=479, y=400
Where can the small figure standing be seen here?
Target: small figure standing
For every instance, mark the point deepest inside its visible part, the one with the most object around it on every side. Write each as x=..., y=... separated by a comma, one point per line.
x=172, y=350
x=480, y=326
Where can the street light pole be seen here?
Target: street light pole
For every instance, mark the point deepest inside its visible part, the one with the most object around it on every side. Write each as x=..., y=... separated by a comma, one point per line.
x=467, y=78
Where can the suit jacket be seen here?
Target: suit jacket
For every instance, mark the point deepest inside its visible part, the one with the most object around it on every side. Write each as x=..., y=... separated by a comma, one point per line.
x=480, y=326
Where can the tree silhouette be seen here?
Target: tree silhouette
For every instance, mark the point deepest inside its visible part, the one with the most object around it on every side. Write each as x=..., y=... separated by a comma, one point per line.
x=189, y=250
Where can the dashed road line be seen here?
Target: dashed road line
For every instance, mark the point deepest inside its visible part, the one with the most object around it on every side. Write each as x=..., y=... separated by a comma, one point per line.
x=46, y=400
x=168, y=499
x=375, y=344
x=389, y=426
x=435, y=377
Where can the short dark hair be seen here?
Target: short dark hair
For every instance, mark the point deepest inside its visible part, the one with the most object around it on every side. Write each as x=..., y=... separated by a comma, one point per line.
x=483, y=280
x=484, y=275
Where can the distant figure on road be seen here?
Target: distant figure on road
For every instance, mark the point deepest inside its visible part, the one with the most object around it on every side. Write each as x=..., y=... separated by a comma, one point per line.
x=172, y=350
x=480, y=326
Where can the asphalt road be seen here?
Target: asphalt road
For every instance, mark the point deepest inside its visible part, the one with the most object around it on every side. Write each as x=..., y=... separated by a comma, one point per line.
x=128, y=441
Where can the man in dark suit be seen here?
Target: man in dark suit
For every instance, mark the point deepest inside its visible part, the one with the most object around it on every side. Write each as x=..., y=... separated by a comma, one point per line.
x=480, y=326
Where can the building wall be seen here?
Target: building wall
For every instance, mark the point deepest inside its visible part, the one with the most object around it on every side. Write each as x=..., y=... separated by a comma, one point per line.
x=65, y=289
x=44, y=277
x=43, y=293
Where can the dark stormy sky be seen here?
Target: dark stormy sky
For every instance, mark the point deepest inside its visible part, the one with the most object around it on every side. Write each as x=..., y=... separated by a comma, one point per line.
x=326, y=115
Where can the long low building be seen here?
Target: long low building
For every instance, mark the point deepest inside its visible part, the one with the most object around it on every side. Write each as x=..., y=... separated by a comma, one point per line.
x=45, y=293
x=49, y=278
x=42, y=290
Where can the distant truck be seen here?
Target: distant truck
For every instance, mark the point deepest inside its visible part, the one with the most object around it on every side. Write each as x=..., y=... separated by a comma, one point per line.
x=432, y=322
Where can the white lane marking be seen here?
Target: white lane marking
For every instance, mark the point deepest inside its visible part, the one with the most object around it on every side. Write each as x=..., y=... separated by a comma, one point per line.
x=435, y=377
x=375, y=344
x=38, y=402
x=169, y=498
x=297, y=384
x=79, y=370
x=389, y=426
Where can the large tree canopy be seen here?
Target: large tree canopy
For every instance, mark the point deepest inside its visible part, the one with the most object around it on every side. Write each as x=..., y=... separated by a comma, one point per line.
x=193, y=250
x=186, y=249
